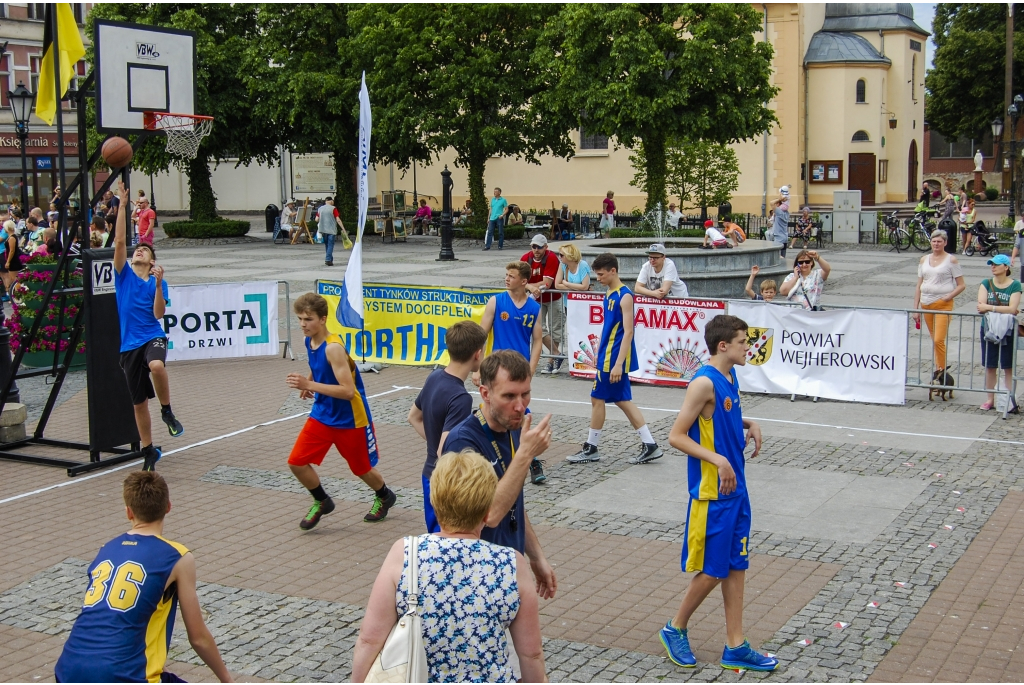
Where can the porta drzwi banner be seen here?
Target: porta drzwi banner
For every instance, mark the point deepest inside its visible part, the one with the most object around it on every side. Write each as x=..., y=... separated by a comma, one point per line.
x=669, y=336
x=221, y=320
x=844, y=354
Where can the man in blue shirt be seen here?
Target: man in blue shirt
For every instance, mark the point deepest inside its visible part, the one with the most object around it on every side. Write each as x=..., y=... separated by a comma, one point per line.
x=502, y=432
x=141, y=300
x=496, y=221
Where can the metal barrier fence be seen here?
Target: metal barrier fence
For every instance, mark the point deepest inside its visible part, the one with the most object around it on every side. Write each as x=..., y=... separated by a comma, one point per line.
x=964, y=370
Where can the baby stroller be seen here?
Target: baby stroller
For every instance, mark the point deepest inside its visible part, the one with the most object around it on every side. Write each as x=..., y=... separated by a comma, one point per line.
x=985, y=242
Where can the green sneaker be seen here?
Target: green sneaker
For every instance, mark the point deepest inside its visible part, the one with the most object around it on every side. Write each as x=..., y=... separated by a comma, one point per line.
x=379, y=508
x=319, y=508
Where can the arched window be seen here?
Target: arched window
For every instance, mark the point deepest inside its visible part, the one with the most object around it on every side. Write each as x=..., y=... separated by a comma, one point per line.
x=862, y=87
x=861, y=137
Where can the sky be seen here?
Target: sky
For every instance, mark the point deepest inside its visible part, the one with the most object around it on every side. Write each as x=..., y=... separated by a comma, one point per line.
x=924, y=12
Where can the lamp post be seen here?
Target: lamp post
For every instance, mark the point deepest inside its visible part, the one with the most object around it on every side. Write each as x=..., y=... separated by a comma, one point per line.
x=447, y=253
x=21, y=100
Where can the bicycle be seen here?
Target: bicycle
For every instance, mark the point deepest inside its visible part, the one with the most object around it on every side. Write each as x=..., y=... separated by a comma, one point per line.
x=920, y=229
x=896, y=234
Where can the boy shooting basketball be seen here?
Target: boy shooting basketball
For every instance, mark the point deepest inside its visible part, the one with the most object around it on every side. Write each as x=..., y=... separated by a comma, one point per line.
x=135, y=584
x=141, y=300
x=340, y=416
x=709, y=428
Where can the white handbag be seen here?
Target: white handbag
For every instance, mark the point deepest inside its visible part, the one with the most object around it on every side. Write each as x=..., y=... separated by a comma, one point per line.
x=404, y=656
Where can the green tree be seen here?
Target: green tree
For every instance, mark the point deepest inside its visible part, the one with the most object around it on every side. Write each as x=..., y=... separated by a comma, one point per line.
x=650, y=73
x=223, y=32
x=700, y=174
x=966, y=84
x=459, y=77
x=301, y=81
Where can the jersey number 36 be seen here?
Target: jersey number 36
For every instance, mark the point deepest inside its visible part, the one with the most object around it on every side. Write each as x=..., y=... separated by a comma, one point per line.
x=120, y=587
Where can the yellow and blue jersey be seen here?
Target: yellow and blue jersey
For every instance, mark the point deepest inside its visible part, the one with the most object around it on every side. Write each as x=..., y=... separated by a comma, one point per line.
x=613, y=333
x=331, y=411
x=722, y=434
x=513, y=326
x=124, y=629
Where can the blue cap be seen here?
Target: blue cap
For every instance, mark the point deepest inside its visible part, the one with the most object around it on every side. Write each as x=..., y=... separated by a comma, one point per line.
x=999, y=259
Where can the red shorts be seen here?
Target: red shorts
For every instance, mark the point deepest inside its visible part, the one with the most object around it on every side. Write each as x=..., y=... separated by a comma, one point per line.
x=357, y=445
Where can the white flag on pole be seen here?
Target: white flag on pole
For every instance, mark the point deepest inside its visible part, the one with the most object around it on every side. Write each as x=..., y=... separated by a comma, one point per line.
x=350, y=304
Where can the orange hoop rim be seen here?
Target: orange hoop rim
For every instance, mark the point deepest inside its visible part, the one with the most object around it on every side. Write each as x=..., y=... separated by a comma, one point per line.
x=151, y=120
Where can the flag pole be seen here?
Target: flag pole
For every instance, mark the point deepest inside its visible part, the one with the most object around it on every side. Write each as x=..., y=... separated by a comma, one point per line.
x=62, y=223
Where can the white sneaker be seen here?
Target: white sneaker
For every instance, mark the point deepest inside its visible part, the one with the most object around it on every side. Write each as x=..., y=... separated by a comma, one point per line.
x=589, y=453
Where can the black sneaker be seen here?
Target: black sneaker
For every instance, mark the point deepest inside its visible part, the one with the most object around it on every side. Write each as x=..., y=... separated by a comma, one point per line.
x=587, y=454
x=174, y=426
x=537, y=471
x=379, y=508
x=319, y=508
x=150, y=456
x=649, y=452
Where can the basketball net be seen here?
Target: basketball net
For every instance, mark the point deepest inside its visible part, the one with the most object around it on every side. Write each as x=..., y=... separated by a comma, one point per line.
x=184, y=132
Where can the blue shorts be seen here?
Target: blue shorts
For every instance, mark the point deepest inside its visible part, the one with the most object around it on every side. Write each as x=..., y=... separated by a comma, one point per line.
x=428, y=509
x=605, y=390
x=717, y=533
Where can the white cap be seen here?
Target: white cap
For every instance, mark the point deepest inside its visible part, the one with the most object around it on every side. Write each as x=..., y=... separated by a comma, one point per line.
x=539, y=239
x=784, y=190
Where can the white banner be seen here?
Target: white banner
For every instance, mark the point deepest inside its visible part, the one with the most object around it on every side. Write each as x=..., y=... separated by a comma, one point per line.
x=856, y=355
x=221, y=320
x=669, y=336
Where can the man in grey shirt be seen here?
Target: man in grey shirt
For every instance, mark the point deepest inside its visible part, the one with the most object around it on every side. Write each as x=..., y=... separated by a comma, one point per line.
x=328, y=221
x=780, y=214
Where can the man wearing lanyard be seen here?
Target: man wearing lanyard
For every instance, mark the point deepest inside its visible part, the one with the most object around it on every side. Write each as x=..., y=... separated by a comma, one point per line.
x=501, y=431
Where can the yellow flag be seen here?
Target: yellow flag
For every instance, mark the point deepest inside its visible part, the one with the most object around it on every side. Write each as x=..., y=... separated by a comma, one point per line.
x=71, y=50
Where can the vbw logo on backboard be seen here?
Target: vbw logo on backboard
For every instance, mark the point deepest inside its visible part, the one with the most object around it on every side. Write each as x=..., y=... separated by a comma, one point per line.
x=146, y=51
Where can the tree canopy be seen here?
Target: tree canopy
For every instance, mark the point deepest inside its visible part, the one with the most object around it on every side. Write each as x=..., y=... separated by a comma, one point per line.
x=460, y=77
x=650, y=73
x=966, y=84
x=699, y=173
x=223, y=32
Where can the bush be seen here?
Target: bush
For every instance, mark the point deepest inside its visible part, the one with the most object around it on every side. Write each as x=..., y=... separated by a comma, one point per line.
x=991, y=193
x=511, y=233
x=210, y=229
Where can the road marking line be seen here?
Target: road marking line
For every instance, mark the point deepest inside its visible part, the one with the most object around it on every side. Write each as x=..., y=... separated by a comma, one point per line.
x=63, y=484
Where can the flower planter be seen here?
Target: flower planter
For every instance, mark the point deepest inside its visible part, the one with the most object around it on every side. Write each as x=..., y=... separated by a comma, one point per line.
x=35, y=360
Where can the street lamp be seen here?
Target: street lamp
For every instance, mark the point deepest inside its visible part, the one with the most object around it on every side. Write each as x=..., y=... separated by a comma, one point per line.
x=21, y=100
x=447, y=253
x=1013, y=112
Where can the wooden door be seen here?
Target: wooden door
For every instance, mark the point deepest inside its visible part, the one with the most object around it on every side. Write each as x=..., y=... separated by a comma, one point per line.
x=912, y=187
x=861, y=176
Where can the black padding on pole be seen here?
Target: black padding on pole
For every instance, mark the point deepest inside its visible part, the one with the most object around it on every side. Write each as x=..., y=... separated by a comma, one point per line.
x=111, y=415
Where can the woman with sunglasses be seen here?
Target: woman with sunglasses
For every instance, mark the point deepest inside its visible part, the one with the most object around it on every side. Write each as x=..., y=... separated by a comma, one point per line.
x=805, y=284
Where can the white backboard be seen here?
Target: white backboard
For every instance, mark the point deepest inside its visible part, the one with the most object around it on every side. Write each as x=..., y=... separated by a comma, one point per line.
x=142, y=69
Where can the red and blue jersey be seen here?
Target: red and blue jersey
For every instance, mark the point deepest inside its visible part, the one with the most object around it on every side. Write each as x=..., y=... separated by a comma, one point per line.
x=332, y=411
x=124, y=629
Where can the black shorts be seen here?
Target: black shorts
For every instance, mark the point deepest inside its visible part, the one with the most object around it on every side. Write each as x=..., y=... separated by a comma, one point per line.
x=135, y=364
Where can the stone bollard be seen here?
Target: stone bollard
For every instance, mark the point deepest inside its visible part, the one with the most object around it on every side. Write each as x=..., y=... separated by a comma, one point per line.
x=12, y=422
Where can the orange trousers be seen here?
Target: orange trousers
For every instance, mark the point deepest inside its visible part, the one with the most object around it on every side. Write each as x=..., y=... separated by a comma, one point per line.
x=938, y=325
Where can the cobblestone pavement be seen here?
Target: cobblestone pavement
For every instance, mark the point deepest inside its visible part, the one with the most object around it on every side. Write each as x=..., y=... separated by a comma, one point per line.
x=286, y=606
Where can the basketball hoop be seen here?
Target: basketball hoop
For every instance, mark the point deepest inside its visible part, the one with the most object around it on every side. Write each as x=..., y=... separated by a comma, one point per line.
x=184, y=131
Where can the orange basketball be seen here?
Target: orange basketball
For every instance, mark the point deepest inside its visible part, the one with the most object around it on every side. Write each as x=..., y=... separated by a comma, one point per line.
x=117, y=152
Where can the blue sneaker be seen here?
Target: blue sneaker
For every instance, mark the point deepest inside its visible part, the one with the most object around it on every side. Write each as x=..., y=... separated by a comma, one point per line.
x=151, y=455
x=677, y=644
x=745, y=657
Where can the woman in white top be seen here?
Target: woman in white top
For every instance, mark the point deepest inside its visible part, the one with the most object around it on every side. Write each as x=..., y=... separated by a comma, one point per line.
x=805, y=284
x=474, y=594
x=939, y=280
x=573, y=272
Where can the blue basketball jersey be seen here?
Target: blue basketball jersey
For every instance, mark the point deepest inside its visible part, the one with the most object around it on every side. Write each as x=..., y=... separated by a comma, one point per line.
x=513, y=326
x=722, y=434
x=612, y=334
x=124, y=629
x=331, y=411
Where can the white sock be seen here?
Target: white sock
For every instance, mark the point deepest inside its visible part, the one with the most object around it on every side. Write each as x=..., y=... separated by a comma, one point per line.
x=594, y=436
x=645, y=435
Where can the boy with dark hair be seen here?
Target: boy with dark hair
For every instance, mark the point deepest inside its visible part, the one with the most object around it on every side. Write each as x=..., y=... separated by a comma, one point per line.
x=443, y=403
x=137, y=580
x=340, y=416
x=709, y=429
x=141, y=301
x=616, y=357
